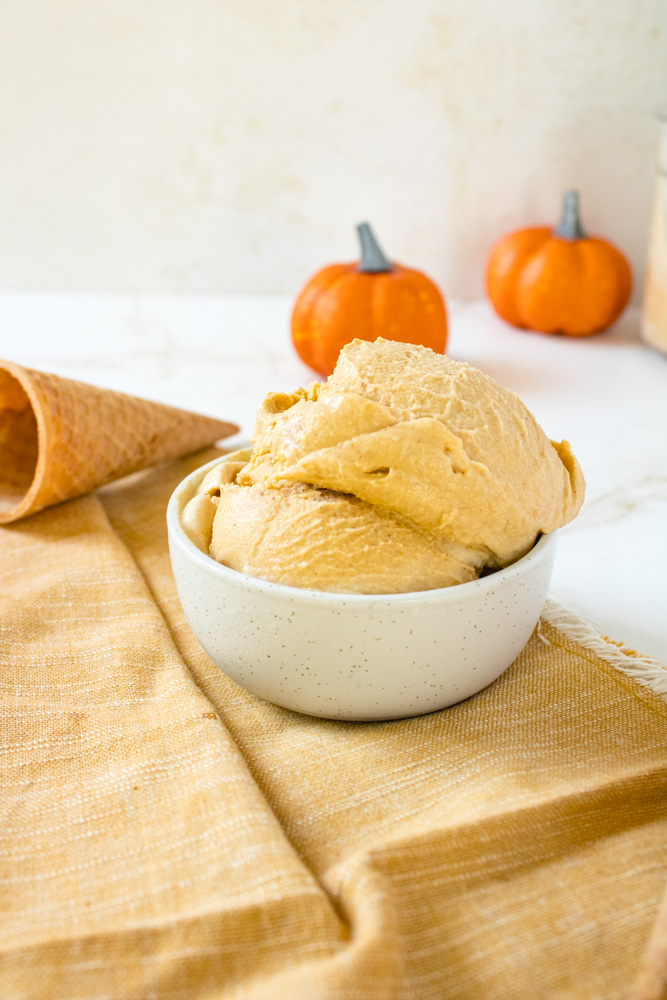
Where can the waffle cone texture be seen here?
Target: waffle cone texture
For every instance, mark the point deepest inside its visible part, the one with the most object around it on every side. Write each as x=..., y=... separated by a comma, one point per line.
x=60, y=439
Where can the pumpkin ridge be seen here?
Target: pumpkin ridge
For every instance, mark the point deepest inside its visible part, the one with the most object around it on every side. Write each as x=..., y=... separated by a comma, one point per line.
x=588, y=310
x=599, y=290
x=548, y=284
x=305, y=307
x=507, y=259
x=381, y=284
x=618, y=263
x=422, y=289
x=333, y=333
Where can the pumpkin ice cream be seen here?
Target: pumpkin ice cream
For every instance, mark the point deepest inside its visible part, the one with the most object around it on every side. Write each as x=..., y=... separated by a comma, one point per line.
x=404, y=471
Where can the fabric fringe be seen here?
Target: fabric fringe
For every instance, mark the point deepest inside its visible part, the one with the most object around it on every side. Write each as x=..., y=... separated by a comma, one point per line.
x=644, y=669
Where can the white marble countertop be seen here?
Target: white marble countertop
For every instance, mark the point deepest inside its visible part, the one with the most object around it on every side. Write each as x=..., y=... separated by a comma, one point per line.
x=607, y=395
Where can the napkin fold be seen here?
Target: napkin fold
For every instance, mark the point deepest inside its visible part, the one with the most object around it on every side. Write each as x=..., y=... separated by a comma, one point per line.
x=166, y=834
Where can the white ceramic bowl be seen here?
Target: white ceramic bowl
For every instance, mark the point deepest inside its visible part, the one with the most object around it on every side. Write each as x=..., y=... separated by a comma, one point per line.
x=355, y=656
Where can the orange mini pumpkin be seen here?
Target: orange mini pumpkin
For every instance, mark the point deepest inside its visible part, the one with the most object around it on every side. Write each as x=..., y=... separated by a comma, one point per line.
x=367, y=299
x=558, y=281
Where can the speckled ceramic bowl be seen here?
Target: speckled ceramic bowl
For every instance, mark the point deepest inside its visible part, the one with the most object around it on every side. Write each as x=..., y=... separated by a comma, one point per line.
x=351, y=656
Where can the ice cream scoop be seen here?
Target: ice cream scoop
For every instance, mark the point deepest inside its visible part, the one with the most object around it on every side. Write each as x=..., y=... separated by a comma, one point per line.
x=353, y=656
x=404, y=471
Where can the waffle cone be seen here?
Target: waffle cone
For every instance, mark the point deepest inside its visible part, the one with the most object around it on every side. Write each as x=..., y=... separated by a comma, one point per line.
x=60, y=439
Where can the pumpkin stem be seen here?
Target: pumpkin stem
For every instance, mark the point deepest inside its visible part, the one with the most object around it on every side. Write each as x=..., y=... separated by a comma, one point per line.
x=570, y=227
x=373, y=261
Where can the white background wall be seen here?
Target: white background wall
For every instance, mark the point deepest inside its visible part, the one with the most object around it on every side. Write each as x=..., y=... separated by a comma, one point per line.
x=231, y=145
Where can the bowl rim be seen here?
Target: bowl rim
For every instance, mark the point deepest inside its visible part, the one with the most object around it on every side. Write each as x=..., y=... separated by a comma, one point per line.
x=544, y=544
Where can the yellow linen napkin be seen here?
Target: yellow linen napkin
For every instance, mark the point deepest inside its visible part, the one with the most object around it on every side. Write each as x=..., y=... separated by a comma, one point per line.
x=166, y=835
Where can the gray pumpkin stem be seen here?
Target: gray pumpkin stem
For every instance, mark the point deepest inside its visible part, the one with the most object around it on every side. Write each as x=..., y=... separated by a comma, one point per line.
x=373, y=261
x=570, y=227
